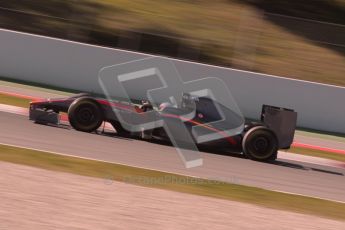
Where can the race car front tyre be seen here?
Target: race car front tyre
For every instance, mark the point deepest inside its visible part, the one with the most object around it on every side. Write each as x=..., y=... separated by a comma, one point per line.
x=260, y=144
x=85, y=115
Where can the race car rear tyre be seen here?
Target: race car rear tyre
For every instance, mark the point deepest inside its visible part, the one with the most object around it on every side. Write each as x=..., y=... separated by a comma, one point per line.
x=85, y=115
x=260, y=144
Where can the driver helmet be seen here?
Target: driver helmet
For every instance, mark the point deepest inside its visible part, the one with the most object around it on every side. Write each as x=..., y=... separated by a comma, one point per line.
x=164, y=105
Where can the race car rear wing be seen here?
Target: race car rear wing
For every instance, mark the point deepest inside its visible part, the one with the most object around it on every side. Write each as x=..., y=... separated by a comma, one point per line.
x=282, y=121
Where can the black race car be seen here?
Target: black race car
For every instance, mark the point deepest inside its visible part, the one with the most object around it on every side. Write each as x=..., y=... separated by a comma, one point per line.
x=258, y=141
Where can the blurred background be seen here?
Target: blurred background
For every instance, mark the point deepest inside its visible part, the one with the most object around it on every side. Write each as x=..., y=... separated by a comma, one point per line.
x=296, y=39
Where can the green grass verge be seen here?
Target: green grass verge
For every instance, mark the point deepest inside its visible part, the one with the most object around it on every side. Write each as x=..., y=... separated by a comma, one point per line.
x=36, y=86
x=317, y=153
x=16, y=101
x=227, y=191
x=340, y=137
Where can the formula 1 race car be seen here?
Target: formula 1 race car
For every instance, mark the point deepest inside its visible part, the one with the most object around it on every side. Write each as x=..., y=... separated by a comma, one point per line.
x=258, y=141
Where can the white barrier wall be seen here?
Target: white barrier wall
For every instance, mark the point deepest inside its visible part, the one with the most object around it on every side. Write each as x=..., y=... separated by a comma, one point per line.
x=74, y=65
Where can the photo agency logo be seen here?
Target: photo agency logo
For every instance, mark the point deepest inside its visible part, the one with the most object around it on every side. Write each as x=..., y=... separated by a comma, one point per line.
x=190, y=113
x=180, y=180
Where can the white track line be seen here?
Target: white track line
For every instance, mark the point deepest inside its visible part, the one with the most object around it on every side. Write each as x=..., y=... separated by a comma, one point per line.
x=310, y=159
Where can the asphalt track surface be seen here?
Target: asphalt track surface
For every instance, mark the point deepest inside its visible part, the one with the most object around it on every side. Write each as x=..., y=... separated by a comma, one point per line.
x=286, y=175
